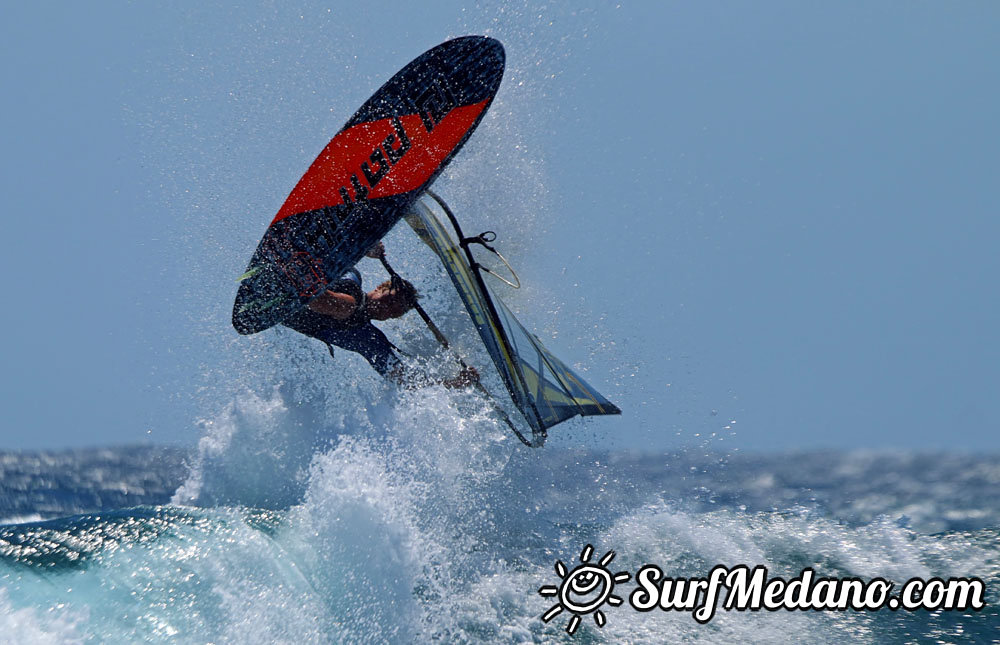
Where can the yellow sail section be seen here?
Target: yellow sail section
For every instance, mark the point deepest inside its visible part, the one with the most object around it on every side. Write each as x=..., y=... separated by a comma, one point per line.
x=544, y=389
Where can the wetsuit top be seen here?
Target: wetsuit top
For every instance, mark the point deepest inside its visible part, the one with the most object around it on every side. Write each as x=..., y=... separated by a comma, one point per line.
x=355, y=334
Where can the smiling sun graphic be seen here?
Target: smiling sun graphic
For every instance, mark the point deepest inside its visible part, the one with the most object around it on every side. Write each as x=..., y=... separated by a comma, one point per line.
x=584, y=589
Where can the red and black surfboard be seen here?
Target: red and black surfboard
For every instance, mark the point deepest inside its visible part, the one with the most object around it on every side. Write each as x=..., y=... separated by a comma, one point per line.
x=367, y=177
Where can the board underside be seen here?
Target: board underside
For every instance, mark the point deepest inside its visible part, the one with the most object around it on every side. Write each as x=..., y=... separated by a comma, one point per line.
x=368, y=176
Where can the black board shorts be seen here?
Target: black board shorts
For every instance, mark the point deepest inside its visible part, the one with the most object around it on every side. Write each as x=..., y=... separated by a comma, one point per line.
x=366, y=339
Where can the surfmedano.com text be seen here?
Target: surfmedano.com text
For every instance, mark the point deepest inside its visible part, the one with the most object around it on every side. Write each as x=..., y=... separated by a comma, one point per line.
x=752, y=590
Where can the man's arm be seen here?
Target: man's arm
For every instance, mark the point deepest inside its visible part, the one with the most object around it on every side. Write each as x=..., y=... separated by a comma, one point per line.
x=334, y=304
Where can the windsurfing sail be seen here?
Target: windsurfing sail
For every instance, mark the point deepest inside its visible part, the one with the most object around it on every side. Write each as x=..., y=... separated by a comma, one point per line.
x=543, y=388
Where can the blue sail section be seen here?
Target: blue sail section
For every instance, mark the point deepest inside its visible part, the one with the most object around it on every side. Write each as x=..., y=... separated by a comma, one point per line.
x=543, y=388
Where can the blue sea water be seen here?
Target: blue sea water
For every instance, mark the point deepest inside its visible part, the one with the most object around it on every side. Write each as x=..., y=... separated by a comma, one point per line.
x=434, y=525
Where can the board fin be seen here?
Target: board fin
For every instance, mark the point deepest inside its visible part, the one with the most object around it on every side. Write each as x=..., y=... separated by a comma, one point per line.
x=249, y=274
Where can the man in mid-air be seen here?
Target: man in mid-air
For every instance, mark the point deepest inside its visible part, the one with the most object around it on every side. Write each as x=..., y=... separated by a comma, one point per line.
x=343, y=315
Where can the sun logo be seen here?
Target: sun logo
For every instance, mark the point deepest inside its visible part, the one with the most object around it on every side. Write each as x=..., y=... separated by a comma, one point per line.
x=584, y=589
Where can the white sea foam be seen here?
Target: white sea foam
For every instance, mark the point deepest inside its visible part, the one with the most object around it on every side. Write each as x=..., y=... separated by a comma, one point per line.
x=41, y=626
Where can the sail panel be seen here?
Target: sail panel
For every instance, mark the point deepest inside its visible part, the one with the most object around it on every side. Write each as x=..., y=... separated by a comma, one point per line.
x=543, y=388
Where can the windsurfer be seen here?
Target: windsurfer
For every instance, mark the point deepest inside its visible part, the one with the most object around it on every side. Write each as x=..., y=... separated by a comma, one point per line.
x=343, y=315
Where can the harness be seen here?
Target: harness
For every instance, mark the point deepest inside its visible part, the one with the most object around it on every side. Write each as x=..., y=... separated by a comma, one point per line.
x=353, y=289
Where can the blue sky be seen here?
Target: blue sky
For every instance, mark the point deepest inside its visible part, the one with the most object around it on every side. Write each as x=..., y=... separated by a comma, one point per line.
x=778, y=213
